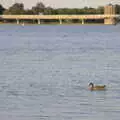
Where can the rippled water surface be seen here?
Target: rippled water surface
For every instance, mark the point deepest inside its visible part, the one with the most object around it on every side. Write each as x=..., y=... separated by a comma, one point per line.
x=45, y=71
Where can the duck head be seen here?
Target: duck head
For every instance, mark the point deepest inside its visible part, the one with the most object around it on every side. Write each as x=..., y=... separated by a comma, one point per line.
x=91, y=86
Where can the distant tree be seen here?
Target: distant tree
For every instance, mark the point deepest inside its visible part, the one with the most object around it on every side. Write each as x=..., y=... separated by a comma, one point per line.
x=48, y=11
x=2, y=9
x=39, y=8
x=28, y=12
x=117, y=9
x=88, y=10
x=100, y=10
x=17, y=8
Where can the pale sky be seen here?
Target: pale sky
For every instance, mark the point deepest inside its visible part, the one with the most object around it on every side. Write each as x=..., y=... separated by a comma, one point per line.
x=61, y=3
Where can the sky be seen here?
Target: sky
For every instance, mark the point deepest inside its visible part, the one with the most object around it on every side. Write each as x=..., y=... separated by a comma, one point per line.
x=60, y=3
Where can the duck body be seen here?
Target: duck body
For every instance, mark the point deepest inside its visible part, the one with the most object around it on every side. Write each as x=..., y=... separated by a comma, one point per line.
x=97, y=87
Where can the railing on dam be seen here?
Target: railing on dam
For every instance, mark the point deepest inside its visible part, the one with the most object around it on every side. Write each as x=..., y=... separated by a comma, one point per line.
x=57, y=16
x=107, y=18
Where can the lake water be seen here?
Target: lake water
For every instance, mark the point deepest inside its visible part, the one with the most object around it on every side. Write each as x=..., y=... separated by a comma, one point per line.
x=45, y=72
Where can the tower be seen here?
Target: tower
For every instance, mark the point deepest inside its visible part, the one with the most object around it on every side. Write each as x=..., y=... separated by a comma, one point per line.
x=110, y=10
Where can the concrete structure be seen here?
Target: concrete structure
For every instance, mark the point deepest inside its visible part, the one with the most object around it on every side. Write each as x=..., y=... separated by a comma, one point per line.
x=108, y=18
x=110, y=10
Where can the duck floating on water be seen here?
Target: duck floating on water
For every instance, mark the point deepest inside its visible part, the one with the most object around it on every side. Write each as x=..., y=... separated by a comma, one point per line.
x=97, y=87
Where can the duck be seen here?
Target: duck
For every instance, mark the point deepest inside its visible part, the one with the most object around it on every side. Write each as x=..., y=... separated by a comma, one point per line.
x=97, y=87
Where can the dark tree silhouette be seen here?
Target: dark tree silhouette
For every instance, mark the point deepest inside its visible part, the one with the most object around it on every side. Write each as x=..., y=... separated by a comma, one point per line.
x=17, y=8
x=2, y=9
x=39, y=8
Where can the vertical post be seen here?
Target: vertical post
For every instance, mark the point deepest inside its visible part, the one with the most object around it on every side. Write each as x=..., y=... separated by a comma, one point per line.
x=39, y=21
x=18, y=22
x=23, y=23
x=60, y=20
x=83, y=22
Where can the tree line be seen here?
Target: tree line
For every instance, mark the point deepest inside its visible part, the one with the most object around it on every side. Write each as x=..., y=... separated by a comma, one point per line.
x=40, y=8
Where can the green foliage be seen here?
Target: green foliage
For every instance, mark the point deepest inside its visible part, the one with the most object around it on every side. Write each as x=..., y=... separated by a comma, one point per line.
x=2, y=9
x=100, y=10
x=40, y=8
x=48, y=11
x=17, y=8
x=117, y=9
x=28, y=12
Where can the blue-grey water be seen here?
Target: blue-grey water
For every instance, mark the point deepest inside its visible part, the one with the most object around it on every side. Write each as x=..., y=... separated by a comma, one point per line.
x=45, y=72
